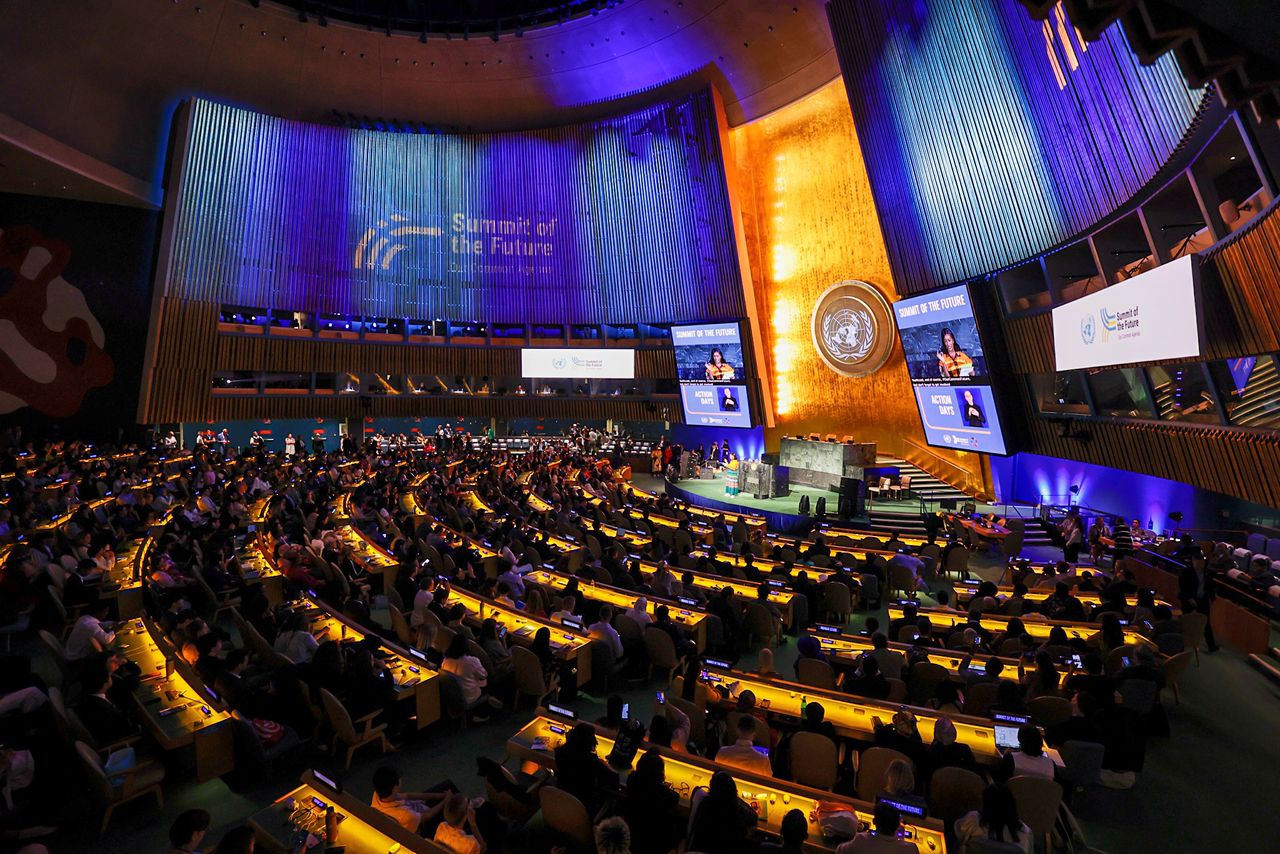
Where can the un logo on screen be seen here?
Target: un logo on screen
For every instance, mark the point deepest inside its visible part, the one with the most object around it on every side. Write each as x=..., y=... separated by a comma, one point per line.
x=558, y=363
x=1088, y=329
x=852, y=328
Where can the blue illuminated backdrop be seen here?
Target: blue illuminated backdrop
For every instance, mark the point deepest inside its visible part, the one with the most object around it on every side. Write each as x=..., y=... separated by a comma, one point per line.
x=615, y=221
x=989, y=136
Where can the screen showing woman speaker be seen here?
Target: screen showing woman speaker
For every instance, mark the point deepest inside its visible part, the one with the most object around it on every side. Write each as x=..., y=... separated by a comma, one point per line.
x=949, y=371
x=708, y=352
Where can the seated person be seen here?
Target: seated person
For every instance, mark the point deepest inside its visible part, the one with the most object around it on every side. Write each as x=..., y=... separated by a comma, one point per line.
x=458, y=832
x=883, y=836
x=997, y=821
x=1028, y=759
x=900, y=783
x=867, y=680
x=795, y=830
x=945, y=752
x=742, y=754
x=721, y=822
x=411, y=810
x=901, y=735
x=612, y=836
x=579, y=769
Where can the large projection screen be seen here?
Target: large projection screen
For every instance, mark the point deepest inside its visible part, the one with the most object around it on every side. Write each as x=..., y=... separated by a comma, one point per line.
x=950, y=373
x=1152, y=317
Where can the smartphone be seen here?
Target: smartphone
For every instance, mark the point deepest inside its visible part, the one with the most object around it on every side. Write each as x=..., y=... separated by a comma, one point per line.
x=662, y=698
x=626, y=711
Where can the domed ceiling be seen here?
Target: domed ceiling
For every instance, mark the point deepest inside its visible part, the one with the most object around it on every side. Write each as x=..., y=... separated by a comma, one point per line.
x=100, y=81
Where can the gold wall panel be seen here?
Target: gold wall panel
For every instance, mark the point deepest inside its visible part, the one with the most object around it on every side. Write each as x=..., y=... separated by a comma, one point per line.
x=810, y=221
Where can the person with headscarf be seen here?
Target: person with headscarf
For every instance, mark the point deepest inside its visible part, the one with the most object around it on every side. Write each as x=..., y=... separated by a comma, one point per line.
x=945, y=752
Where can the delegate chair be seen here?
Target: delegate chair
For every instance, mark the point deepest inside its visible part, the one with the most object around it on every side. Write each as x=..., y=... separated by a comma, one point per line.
x=872, y=763
x=139, y=781
x=814, y=760
x=344, y=729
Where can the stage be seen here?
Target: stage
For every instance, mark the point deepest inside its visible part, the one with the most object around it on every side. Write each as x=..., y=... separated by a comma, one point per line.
x=782, y=514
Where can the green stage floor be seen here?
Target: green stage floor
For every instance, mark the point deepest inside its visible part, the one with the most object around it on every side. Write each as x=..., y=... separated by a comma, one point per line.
x=714, y=489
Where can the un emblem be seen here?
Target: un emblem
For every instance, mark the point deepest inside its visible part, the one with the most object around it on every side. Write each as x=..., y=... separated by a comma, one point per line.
x=852, y=328
x=1088, y=329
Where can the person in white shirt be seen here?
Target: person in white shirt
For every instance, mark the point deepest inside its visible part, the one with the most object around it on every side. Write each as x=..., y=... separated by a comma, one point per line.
x=567, y=604
x=640, y=612
x=513, y=580
x=90, y=634
x=467, y=669
x=742, y=754
x=602, y=630
x=295, y=642
x=1029, y=760
x=997, y=820
x=421, y=602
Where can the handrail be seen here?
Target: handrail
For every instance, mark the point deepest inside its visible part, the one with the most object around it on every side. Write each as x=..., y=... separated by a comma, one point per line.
x=962, y=478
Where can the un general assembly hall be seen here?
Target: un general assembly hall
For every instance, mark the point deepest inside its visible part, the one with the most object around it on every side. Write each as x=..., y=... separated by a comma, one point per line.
x=639, y=426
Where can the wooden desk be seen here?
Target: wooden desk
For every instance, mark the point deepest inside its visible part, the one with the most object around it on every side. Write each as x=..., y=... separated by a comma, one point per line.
x=965, y=591
x=771, y=799
x=415, y=681
x=521, y=627
x=852, y=716
x=178, y=709
x=692, y=620
x=780, y=596
x=361, y=828
x=943, y=621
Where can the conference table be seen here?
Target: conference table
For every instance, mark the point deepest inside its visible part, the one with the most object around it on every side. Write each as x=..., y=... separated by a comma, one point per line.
x=770, y=798
x=982, y=528
x=966, y=590
x=852, y=716
x=414, y=681
x=691, y=619
x=570, y=646
x=943, y=621
x=300, y=813
x=846, y=649
x=177, y=708
x=778, y=592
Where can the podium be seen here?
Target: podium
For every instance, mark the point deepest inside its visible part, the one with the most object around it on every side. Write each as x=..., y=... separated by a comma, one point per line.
x=761, y=480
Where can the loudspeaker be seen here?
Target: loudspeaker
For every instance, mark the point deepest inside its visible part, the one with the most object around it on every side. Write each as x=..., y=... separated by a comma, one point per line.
x=804, y=505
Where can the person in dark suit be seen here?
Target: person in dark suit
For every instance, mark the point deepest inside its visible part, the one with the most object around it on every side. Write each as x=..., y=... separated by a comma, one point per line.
x=580, y=771
x=1195, y=589
x=104, y=720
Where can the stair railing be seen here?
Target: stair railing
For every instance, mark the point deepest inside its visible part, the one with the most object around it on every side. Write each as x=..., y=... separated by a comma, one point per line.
x=927, y=460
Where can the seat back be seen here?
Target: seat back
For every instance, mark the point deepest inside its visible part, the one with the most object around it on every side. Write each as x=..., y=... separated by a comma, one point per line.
x=836, y=598
x=954, y=792
x=98, y=780
x=758, y=621
x=872, y=764
x=925, y=678
x=978, y=699
x=400, y=626
x=814, y=760
x=816, y=672
x=339, y=718
x=901, y=578
x=528, y=672
x=662, y=652
x=1038, y=800
x=1193, y=626
x=564, y=814
x=55, y=648
x=897, y=690
x=628, y=629
x=1176, y=666
x=1012, y=545
x=1082, y=762
x=957, y=560
x=697, y=717
x=1047, y=711
x=1139, y=695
